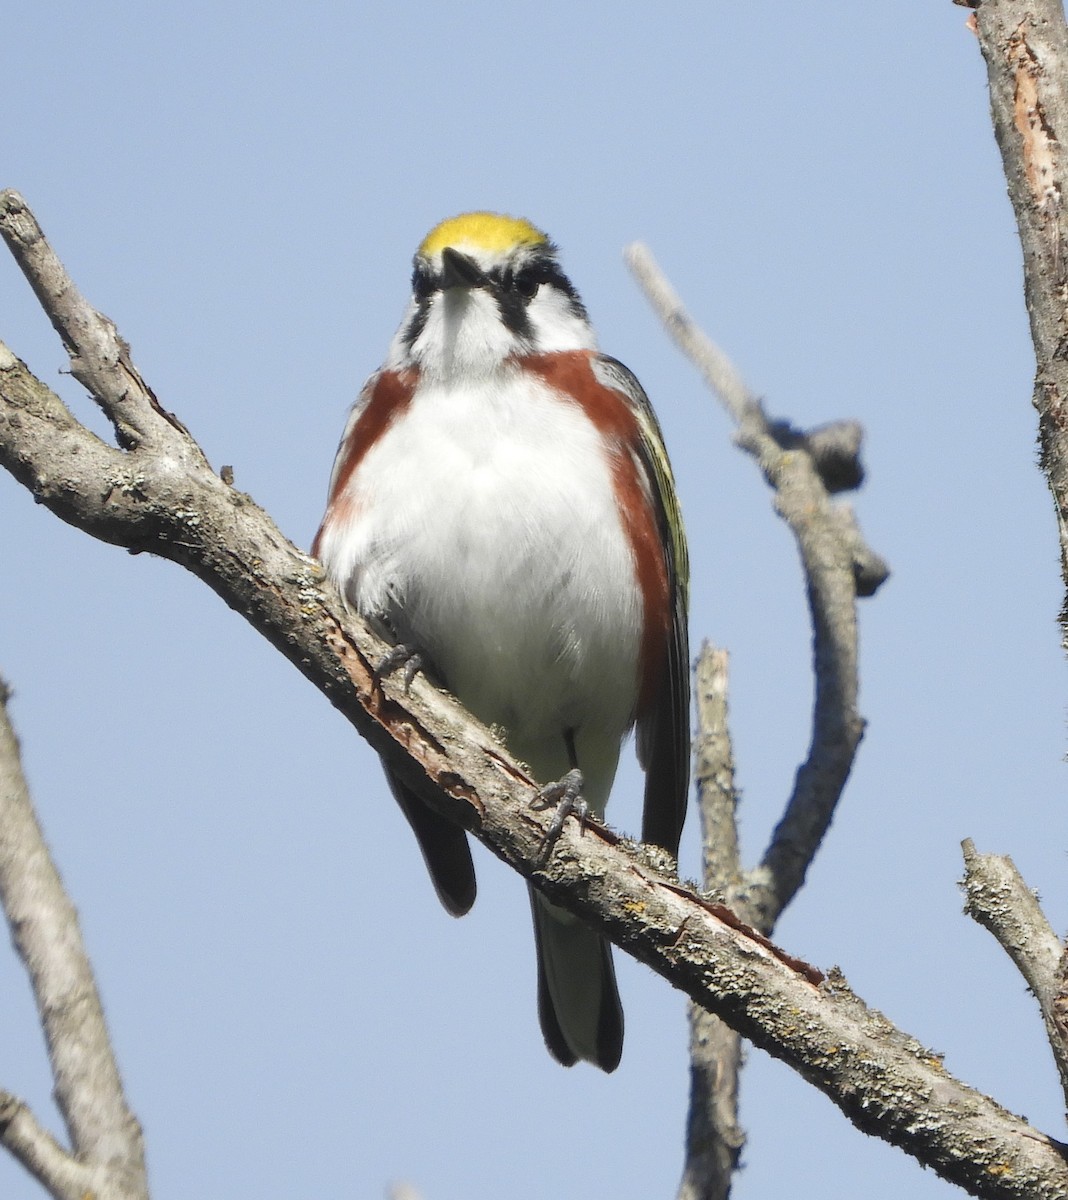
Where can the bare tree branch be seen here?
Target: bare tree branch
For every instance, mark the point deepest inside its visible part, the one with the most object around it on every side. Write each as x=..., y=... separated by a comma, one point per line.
x=107, y=1158
x=171, y=503
x=99, y=358
x=39, y=1152
x=1025, y=45
x=717, y=799
x=837, y=566
x=714, y=1138
x=1000, y=900
x=803, y=469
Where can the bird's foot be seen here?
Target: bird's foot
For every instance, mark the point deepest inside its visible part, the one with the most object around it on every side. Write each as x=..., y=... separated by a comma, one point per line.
x=566, y=794
x=402, y=655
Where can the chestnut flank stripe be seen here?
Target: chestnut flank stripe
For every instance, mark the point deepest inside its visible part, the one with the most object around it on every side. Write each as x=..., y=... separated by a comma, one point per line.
x=571, y=373
x=390, y=394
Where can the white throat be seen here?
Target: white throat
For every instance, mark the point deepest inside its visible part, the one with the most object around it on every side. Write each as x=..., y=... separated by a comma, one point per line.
x=464, y=335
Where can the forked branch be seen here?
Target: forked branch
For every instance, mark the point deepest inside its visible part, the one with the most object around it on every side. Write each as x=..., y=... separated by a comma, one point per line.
x=1002, y=903
x=106, y=1157
x=803, y=470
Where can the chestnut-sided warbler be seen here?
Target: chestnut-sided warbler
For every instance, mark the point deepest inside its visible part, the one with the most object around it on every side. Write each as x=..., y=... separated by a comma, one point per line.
x=502, y=504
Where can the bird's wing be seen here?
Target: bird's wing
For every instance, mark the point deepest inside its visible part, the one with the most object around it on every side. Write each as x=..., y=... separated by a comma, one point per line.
x=663, y=728
x=345, y=456
x=443, y=843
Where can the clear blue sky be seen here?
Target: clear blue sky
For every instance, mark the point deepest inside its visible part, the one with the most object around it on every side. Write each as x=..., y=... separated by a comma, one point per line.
x=241, y=188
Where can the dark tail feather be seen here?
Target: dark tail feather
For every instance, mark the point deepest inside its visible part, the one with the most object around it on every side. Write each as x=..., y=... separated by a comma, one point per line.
x=578, y=1002
x=445, y=849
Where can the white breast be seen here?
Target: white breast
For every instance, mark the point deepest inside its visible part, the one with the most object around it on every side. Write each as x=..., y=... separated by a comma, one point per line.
x=484, y=526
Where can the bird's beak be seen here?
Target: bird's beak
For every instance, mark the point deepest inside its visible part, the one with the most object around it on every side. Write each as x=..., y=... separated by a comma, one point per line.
x=457, y=270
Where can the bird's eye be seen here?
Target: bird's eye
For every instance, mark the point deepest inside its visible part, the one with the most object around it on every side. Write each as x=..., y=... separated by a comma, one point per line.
x=523, y=284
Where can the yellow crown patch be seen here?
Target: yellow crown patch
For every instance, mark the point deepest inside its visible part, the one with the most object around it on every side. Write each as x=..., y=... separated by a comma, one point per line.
x=486, y=231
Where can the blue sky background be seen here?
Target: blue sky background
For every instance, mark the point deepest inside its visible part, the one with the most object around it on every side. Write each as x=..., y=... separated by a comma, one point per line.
x=241, y=188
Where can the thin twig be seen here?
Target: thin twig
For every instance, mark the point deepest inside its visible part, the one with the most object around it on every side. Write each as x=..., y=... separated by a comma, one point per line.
x=53, y=1166
x=1000, y=900
x=714, y=1138
x=107, y=1156
x=717, y=800
x=719, y=372
x=99, y=358
x=802, y=468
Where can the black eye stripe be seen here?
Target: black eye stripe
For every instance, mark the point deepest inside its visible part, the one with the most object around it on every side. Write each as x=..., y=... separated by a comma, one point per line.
x=530, y=275
x=514, y=289
x=417, y=324
x=513, y=309
x=544, y=270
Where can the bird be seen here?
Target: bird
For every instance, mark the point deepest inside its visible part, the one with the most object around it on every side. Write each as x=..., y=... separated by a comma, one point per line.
x=502, y=507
